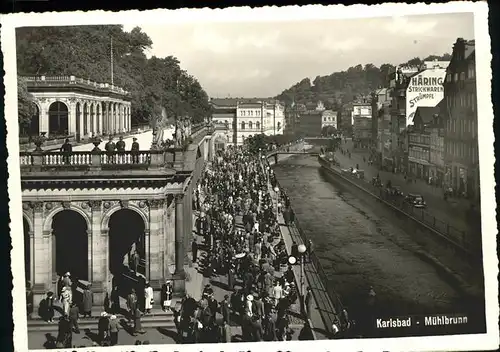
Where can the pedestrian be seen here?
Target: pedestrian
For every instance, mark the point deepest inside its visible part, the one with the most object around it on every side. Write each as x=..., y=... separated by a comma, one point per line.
x=64, y=333
x=166, y=295
x=137, y=322
x=115, y=300
x=134, y=261
x=131, y=304
x=134, y=151
x=308, y=299
x=309, y=250
x=87, y=302
x=225, y=307
x=73, y=317
x=65, y=300
x=148, y=298
x=194, y=250
x=120, y=148
x=103, y=328
x=110, y=150
x=47, y=308
x=114, y=328
x=66, y=149
x=225, y=332
x=295, y=250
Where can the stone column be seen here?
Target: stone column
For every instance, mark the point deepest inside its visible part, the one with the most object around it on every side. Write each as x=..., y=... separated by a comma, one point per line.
x=179, y=275
x=41, y=276
x=98, y=252
x=72, y=117
x=156, y=274
x=44, y=115
x=89, y=119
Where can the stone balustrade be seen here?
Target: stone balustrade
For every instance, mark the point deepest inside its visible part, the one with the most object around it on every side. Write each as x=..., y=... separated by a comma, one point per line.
x=98, y=159
x=74, y=80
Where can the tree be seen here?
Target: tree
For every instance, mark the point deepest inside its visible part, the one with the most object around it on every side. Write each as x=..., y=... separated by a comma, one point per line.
x=25, y=105
x=85, y=51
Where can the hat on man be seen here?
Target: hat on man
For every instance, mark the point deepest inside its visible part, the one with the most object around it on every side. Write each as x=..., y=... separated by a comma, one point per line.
x=104, y=314
x=249, y=298
x=113, y=317
x=134, y=139
x=67, y=274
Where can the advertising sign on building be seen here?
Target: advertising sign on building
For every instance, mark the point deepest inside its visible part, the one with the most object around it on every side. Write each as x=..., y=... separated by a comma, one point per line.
x=424, y=90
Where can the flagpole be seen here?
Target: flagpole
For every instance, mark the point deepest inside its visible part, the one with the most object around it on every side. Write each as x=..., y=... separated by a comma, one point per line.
x=112, y=80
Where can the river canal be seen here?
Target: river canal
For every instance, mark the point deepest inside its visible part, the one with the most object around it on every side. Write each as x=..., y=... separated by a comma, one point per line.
x=361, y=244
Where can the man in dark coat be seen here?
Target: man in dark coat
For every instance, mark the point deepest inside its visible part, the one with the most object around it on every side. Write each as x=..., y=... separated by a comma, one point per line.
x=64, y=334
x=194, y=250
x=110, y=150
x=295, y=251
x=103, y=327
x=134, y=150
x=66, y=149
x=87, y=301
x=225, y=307
x=73, y=317
x=289, y=275
x=308, y=299
x=120, y=146
x=131, y=304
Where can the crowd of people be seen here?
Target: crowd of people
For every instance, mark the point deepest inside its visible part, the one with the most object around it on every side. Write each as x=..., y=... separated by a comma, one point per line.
x=248, y=252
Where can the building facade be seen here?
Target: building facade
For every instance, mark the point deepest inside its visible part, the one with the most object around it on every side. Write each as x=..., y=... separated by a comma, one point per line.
x=91, y=215
x=329, y=118
x=248, y=117
x=459, y=110
x=68, y=106
x=362, y=124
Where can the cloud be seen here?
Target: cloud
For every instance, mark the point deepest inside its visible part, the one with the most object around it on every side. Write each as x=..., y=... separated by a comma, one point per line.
x=264, y=58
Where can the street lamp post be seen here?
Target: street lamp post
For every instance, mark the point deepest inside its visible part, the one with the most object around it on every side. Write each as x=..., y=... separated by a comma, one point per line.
x=302, y=249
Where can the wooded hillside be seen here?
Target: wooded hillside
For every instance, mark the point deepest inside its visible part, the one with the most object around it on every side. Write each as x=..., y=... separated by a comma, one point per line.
x=344, y=86
x=84, y=51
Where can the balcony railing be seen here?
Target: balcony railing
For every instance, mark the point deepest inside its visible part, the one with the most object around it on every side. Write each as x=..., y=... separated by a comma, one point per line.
x=48, y=80
x=144, y=159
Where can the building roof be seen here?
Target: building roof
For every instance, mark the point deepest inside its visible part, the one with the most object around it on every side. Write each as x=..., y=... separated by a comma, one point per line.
x=427, y=113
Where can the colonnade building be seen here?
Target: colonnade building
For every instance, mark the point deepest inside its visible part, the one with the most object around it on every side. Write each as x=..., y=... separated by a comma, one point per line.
x=68, y=106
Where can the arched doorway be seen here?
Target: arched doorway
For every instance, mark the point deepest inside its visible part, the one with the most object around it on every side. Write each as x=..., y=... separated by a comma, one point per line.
x=126, y=237
x=27, y=250
x=69, y=230
x=58, y=119
x=34, y=127
x=98, y=118
x=78, y=121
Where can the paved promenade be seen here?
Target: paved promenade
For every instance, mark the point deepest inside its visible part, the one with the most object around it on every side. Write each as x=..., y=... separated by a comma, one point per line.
x=143, y=138
x=451, y=211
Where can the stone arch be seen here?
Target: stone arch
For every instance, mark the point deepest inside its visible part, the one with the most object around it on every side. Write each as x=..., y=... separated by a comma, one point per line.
x=243, y=123
x=58, y=118
x=107, y=215
x=28, y=219
x=47, y=224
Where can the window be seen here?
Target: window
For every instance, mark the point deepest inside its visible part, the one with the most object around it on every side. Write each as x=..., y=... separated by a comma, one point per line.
x=462, y=76
x=242, y=112
x=251, y=113
x=455, y=77
x=257, y=125
x=448, y=77
x=258, y=112
x=250, y=125
x=243, y=125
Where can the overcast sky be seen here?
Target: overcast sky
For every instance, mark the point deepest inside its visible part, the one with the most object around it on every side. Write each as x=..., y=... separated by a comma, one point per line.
x=262, y=59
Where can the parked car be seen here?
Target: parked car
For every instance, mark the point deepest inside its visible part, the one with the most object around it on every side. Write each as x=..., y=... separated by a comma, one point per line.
x=416, y=200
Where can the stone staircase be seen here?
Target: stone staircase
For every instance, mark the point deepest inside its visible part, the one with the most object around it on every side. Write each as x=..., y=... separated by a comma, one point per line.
x=157, y=318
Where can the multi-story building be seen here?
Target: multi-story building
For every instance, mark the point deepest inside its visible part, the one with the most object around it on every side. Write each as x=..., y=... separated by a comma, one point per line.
x=419, y=142
x=459, y=111
x=329, y=118
x=378, y=99
x=248, y=117
x=437, y=149
x=345, y=119
x=362, y=123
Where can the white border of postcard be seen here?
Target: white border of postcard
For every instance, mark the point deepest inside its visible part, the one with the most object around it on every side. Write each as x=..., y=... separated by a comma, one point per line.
x=487, y=181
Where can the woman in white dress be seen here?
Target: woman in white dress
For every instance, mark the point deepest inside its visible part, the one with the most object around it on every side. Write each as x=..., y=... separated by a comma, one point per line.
x=65, y=300
x=148, y=298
